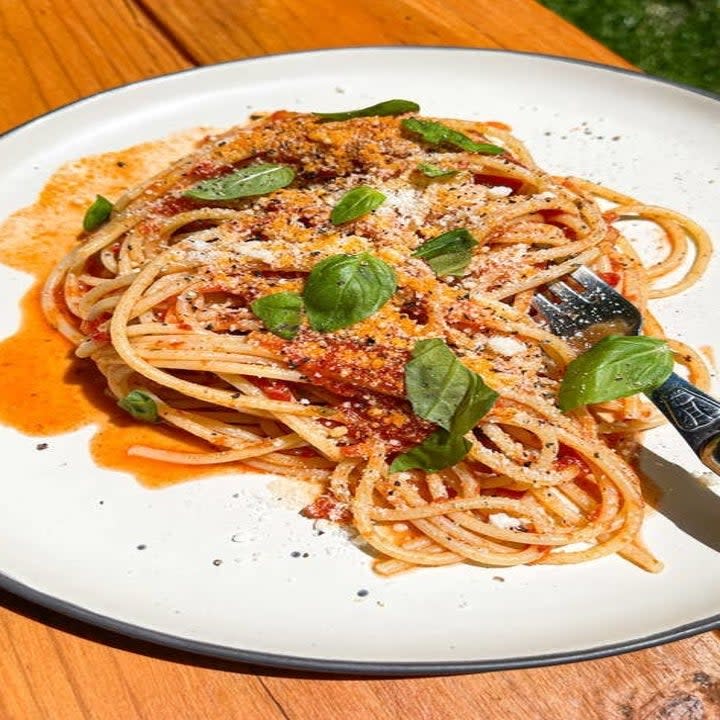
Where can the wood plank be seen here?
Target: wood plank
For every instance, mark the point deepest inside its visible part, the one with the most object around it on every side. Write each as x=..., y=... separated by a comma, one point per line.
x=672, y=682
x=52, y=667
x=55, y=51
x=212, y=30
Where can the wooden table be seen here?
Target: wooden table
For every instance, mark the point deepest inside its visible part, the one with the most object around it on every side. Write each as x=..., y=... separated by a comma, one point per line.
x=52, y=668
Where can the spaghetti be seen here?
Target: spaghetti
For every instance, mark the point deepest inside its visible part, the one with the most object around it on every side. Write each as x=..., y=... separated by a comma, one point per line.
x=160, y=297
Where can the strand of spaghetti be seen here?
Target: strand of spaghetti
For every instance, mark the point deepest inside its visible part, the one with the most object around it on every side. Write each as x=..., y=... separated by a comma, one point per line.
x=361, y=507
x=102, y=307
x=482, y=502
x=469, y=482
x=463, y=544
x=484, y=231
x=213, y=432
x=87, y=280
x=684, y=354
x=594, y=453
x=692, y=360
x=309, y=430
x=226, y=368
x=543, y=435
x=73, y=262
x=460, y=507
x=677, y=240
x=466, y=528
x=340, y=480
x=184, y=350
x=251, y=449
x=544, y=277
x=155, y=336
x=627, y=207
x=556, y=503
x=179, y=282
x=590, y=188
x=641, y=556
x=512, y=449
x=532, y=232
x=458, y=511
x=224, y=398
x=457, y=537
x=519, y=473
x=391, y=566
x=576, y=247
x=624, y=529
x=86, y=303
x=614, y=544
x=118, y=325
x=295, y=470
x=556, y=347
x=513, y=144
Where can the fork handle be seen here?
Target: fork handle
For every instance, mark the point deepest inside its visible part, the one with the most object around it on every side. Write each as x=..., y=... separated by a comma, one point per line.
x=695, y=415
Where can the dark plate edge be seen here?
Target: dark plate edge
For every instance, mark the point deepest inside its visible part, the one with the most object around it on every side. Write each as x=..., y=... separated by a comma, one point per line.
x=346, y=667
x=388, y=669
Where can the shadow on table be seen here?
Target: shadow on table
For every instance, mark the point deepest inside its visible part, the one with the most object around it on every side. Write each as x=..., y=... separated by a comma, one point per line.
x=83, y=630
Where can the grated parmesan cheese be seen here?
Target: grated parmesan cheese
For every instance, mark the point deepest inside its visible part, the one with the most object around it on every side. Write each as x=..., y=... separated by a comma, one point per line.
x=499, y=191
x=407, y=203
x=255, y=250
x=506, y=346
x=505, y=522
x=197, y=249
x=404, y=200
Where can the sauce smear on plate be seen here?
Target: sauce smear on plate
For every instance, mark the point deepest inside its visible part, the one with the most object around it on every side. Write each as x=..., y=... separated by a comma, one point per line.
x=44, y=389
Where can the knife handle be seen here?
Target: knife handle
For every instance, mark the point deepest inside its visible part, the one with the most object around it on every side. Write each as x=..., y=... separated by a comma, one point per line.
x=694, y=414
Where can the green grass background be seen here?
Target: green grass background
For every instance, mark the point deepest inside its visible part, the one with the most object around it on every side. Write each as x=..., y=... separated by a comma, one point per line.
x=675, y=39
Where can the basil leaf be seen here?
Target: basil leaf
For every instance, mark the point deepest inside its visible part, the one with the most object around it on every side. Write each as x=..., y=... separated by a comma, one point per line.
x=441, y=389
x=245, y=182
x=140, y=405
x=449, y=253
x=97, y=213
x=280, y=313
x=437, y=452
x=435, y=171
x=436, y=133
x=388, y=107
x=355, y=203
x=616, y=367
x=344, y=289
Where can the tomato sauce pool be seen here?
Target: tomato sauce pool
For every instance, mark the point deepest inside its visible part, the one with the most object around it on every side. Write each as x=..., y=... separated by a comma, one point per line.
x=44, y=389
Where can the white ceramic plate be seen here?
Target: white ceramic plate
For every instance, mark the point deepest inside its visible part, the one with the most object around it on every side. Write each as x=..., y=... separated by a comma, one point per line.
x=59, y=546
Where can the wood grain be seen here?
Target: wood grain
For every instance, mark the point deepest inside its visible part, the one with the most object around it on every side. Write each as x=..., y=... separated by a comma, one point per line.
x=53, y=668
x=55, y=51
x=649, y=685
x=241, y=29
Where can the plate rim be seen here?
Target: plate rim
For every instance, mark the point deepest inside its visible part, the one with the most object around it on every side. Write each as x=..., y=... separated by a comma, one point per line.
x=335, y=666
x=637, y=74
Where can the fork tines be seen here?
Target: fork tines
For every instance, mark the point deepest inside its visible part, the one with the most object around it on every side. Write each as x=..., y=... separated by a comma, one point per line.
x=593, y=303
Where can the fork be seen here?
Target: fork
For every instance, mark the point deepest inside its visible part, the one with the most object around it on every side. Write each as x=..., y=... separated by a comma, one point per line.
x=597, y=310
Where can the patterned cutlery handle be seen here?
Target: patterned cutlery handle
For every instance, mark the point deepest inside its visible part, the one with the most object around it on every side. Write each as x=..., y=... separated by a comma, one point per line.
x=695, y=415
